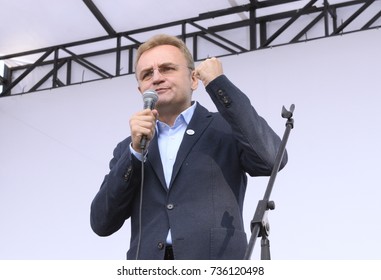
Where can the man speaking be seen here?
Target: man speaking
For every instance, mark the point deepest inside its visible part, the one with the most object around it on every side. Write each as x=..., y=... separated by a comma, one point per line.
x=184, y=187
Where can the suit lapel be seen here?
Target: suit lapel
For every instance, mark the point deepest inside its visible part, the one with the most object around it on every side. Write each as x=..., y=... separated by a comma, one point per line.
x=155, y=161
x=199, y=122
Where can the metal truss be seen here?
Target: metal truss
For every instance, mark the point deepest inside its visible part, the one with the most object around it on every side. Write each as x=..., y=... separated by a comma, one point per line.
x=68, y=64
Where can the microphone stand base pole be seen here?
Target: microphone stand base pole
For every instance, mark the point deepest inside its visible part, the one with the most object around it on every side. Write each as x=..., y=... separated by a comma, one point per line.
x=265, y=248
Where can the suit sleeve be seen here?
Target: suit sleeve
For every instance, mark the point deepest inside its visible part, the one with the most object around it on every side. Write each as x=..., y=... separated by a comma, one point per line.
x=257, y=142
x=113, y=202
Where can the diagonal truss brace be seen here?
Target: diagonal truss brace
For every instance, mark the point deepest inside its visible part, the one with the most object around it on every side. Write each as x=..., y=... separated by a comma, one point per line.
x=57, y=58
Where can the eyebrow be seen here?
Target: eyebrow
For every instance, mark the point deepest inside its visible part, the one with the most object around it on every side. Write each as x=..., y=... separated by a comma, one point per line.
x=160, y=65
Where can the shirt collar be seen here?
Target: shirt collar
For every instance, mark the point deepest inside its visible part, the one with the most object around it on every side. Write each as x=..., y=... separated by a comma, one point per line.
x=188, y=113
x=184, y=117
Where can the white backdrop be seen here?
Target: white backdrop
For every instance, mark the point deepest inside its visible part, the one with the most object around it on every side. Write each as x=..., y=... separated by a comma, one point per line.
x=55, y=147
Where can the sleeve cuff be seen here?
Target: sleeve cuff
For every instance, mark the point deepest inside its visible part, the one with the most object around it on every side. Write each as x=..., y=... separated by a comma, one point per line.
x=138, y=155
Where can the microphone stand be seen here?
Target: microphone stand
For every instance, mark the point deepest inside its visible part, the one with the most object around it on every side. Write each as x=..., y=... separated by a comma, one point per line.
x=260, y=226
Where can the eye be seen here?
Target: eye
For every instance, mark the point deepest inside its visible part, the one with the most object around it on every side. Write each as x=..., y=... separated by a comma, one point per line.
x=146, y=75
x=167, y=69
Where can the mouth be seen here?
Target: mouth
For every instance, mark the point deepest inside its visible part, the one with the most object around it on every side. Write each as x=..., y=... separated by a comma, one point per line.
x=161, y=90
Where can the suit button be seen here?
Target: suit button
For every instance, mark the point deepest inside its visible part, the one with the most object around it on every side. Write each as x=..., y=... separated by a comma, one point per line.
x=170, y=206
x=224, y=98
x=128, y=174
x=160, y=245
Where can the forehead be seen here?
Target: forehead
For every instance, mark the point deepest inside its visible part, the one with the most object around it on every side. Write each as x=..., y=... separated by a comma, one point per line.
x=159, y=55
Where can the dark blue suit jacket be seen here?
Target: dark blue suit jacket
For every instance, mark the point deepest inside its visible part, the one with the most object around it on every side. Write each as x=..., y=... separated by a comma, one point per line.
x=203, y=204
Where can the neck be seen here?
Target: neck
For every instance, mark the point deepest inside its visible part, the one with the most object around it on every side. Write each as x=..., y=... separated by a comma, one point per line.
x=169, y=114
x=169, y=120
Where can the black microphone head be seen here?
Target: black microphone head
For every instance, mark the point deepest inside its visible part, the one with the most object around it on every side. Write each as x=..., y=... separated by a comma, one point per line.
x=150, y=98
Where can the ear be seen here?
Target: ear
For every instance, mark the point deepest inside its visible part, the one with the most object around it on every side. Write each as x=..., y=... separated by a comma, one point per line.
x=194, y=85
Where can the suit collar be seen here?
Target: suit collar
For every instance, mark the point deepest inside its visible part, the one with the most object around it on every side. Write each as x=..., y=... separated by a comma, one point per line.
x=196, y=127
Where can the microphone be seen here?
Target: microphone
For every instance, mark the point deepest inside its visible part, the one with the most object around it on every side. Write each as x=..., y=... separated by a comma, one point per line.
x=150, y=98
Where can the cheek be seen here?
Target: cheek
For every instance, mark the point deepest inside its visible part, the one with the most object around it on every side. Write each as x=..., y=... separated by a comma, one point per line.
x=141, y=88
x=188, y=82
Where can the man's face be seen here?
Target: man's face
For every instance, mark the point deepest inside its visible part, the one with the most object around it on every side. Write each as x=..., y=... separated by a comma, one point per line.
x=164, y=69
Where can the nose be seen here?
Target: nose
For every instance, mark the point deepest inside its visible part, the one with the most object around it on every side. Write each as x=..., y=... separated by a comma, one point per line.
x=157, y=77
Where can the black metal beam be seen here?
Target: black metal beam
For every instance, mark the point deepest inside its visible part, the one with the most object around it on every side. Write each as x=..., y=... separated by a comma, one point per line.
x=87, y=64
x=3, y=81
x=46, y=77
x=7, y=90
x=289, y=22
x=371, y=21
x=353, y=17
x=217, y=35
x=230, y=50
x=304, y=31
x=206, y=31
x=253, y=27
x=100, y=17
